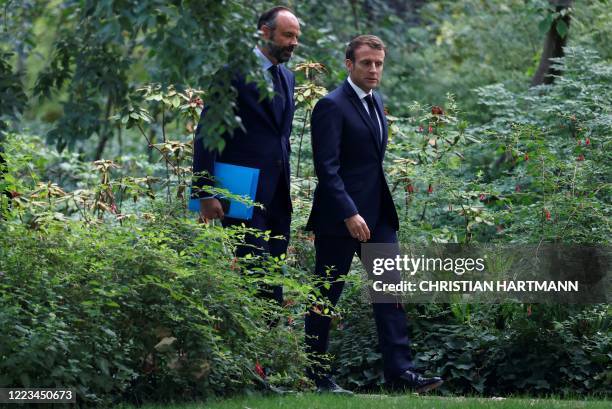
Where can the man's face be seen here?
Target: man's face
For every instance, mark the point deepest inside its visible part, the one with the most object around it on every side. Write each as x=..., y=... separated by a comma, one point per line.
x=366, y=71
x=283, y=39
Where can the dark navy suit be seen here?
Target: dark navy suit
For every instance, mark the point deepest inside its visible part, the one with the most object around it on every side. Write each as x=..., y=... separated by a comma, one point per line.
x=263, y=143
x=348, y=157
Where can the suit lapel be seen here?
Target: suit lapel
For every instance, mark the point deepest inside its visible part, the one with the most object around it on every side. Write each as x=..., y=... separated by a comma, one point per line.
x=383, y=119
x=266, y=105
x=261, y=103
x=269, y=105
x=269, y=109
x=362, y=111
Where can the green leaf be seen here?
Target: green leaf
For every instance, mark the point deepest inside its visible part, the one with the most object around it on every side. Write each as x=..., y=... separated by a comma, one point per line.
x=103, y=365
x=562, y=28
x=109, y=332
x=545, y=24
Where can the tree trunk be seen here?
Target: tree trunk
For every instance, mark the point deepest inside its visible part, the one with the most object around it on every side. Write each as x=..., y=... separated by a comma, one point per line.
x=553, y=45
x=107, y=131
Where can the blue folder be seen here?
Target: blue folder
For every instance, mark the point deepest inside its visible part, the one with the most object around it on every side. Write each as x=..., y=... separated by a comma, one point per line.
x=238, y=180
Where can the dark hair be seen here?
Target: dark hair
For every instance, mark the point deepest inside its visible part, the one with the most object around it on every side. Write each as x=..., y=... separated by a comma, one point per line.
x=369, y=40
x=268, y=18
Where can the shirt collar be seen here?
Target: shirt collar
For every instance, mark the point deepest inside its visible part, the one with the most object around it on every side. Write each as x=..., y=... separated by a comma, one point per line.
x=360, y=93
x=263, y=60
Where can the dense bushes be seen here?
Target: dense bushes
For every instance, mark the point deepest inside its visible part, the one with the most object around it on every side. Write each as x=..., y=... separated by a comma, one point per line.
x=157, y=312
x=154, y=312
x=488, y=349
x=538, y=170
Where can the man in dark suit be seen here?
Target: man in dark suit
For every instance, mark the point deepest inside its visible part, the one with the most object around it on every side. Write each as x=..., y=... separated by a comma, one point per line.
x=353, y=205
x=262, y=143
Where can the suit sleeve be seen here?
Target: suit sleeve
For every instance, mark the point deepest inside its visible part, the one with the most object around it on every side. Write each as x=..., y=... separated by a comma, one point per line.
x=326, y=125
x=203, y=163
x=203, y=157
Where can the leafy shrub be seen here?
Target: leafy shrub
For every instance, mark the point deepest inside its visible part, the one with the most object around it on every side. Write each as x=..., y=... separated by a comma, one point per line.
x=152, y=311
x=501, y=349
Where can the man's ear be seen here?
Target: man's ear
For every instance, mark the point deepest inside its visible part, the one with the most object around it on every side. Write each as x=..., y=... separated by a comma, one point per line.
x=348, y=64
x=266, y=32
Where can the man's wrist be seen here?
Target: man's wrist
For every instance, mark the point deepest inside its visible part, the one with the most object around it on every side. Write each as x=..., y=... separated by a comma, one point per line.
x=351, y=216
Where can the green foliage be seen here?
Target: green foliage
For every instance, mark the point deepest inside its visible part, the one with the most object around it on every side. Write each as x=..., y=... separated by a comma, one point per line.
x=105, y=282
x=590, y=24
x=12, y=97
x=501, y=349
x=109, y=287
x=538, y=170
x=455, y=49
x=554, y=147
x=101, y=49
x=88, y=58
x=150, y=310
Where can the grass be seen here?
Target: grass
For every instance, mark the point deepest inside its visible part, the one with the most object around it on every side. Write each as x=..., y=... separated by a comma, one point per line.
x=411, y=401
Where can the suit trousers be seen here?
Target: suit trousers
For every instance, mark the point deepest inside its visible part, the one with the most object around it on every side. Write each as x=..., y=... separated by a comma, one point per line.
x=276, y=218
x=390, y=318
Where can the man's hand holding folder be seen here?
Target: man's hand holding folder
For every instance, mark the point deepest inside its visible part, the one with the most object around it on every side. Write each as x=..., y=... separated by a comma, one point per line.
x=211, y=208
x=238, y=180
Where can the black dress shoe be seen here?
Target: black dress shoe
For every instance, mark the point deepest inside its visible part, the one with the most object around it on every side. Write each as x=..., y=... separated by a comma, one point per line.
x=327, y=385
x=416, y=382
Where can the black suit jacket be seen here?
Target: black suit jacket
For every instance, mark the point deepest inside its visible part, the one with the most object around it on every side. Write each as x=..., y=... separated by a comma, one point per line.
x=348, y=157
x=262, y=144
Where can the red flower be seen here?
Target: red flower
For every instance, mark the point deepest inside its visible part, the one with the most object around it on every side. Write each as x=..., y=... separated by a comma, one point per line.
x=260, y=371
x=430, y=129
x=547, y=214
x=517, y=188
x=430, y=189
x=587, y=142
x=482, y=197
x=580, y=158
x=436, y=110
x=410, y=188
x=420, y=129
x=526, y=156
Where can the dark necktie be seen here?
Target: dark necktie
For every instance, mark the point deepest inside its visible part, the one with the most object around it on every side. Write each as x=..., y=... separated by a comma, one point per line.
x=278, y=102
x=370, y=101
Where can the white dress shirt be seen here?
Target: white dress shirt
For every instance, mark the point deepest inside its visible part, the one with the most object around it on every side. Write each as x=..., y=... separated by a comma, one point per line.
x=362, y=94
